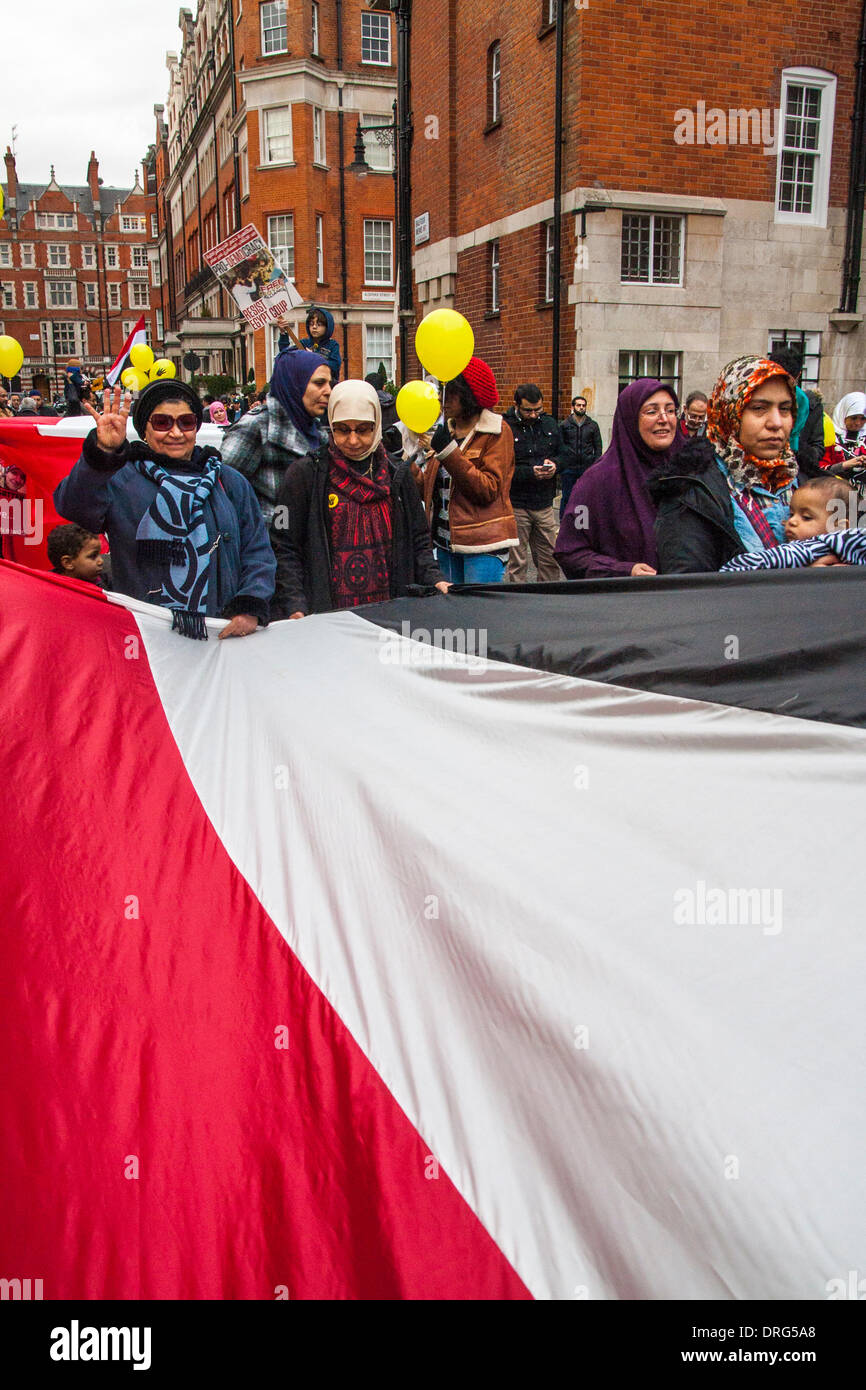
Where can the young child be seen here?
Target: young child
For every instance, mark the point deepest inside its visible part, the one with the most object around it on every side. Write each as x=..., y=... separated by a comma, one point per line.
x=320, y=338
x=77, y=554
x=818, y=531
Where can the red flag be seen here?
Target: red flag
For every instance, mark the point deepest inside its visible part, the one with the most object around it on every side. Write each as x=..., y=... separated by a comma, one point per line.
x=138, y=335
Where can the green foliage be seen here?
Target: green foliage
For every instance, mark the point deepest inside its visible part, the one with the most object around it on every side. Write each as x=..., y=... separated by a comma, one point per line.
x=215, y=386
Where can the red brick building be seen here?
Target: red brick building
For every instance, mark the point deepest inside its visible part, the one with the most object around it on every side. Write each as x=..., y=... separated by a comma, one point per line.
x=686, y=239
x=259, y=127
x=76, y=269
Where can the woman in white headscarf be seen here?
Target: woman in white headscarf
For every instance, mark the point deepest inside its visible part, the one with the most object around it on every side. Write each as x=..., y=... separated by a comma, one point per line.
x=849, y=422
x=349, y=527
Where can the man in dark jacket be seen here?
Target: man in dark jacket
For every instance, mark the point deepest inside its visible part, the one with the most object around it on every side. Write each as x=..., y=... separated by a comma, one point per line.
x=581, y=447
x=537, y=452
x=300, y=536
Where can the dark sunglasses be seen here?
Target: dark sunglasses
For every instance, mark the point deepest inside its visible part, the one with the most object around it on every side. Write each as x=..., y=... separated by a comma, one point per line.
x=363, y=430
x=163, y=423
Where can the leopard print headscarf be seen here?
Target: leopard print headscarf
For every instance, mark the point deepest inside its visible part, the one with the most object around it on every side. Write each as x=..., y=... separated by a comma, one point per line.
x=730, y=395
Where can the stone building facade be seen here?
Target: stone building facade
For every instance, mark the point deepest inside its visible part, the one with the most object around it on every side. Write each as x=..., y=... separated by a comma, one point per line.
x=704, y=194
x=259, y=127
x=78, y=265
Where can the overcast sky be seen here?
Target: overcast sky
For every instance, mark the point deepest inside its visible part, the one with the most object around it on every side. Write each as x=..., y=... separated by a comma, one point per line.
x=74, y=80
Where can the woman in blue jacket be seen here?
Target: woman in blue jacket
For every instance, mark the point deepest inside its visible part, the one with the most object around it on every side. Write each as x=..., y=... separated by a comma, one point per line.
x=184, y=529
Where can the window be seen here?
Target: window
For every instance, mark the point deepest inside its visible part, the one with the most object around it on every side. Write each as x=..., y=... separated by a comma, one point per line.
x=139, y=294
x=129, y=324
x=804, y=143
x=56, y=221
x=88, y=257
x=58, y=255
x=159, y=327
x=494, y=83
x=28, y=258
x=154, y=226
x=281, y=240
x=31, y=295
x=133, y=224
x=8, y=293
x=318, y=135
x=378, y=152
x=61, y=293
x=548, y=263
x=549, y=12
x=5, y=253
x=207, y=167
x=807, y=344
x=114, y=296
x=320, y=250
x=652, y=248
x=314, y=48
x=139, y=257
x=494, y=277
x=111, y=260
x=91, y=295
x=380, y=349
x=229, y=210
x=277, y=135
x=376, y=39
x=663, y=366
x=377, y=252
x=156, y=271
x=64, y=338
x=274, y=28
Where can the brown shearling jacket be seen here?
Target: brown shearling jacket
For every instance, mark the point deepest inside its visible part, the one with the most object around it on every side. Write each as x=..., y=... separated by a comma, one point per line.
x=480, y=517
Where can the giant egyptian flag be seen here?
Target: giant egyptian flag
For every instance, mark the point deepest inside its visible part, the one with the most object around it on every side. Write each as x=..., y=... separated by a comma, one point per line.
x=334, y=970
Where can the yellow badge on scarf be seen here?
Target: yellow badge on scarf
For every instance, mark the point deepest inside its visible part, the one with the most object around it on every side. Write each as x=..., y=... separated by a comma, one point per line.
x=333, y=499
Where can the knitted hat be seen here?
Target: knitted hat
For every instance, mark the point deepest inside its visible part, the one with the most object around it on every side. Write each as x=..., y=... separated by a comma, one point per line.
x=481, y=382
x=156, y=393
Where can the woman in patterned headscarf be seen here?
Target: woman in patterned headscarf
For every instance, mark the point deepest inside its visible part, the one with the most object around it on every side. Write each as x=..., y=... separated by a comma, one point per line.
x=730, y=493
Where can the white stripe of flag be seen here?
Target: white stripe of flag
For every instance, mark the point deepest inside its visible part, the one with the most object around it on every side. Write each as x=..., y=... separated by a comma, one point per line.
x=138, y=335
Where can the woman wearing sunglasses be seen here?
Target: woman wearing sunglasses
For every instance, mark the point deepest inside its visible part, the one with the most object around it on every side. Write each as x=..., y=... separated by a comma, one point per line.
x=184, y=529
x=349, y=527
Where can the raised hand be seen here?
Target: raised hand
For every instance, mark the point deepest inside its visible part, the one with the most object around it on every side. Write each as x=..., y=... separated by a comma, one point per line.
x=111, y=424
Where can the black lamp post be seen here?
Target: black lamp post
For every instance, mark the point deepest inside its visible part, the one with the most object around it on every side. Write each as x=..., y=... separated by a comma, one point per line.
x=360, y=167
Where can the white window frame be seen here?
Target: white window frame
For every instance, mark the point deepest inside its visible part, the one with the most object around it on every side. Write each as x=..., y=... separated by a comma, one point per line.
x=375, y=35
x=807, y=343
x=6, y=254
x=320, y=249
x=319, y=150
x=137, y=289
x=494, y=276
x=112, y=258
x=114, y=295
x=140, y=252
x=280, y=248
x=88, y=257
x=133, y=224
x=154, y=226
x=91, y=294
x=28, y=255
x=495, y=82
x=271, y=9
x=549, y=237
x=159, y=326
x=31, y=294
x=55, y=249
x=8, y=296
x=373, y=149
x=315, y=31
x=372, y=222
x=266, y=137
x=650, y=281
x=372, y=361
x=74, y=335
x=826, y=81
x=52, y=302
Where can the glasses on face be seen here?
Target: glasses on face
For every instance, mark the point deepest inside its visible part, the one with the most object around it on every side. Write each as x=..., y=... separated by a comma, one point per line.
x=530, y=410
x=363, y=431
x=161, y=424
x=652, y=412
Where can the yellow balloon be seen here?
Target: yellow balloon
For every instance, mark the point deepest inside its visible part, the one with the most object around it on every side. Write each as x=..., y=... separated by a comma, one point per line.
x=444, y=343
x=141, y=356
x=133, y=379
x=162, y=369
x=11, y=355
x=418, y=405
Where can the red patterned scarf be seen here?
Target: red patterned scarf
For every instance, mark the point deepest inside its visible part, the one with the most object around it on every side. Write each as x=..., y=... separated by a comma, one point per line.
x=359, y=508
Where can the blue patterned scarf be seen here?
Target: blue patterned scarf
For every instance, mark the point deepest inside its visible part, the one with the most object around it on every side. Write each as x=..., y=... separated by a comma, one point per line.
x=173, y=532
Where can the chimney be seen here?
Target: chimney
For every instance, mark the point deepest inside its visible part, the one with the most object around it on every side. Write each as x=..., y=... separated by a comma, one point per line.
x=11, y=178
x=93, y=179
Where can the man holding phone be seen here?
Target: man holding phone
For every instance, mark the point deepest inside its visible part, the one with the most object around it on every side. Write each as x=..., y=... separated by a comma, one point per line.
x=537, y=450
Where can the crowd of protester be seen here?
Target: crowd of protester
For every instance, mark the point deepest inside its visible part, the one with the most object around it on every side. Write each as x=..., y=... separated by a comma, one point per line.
x=319, y=498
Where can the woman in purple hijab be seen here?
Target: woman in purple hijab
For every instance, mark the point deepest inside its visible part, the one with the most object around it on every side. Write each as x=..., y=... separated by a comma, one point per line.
x=608, y=526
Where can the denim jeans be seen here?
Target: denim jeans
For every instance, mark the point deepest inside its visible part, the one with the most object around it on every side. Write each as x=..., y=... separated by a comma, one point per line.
x=471, y=569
